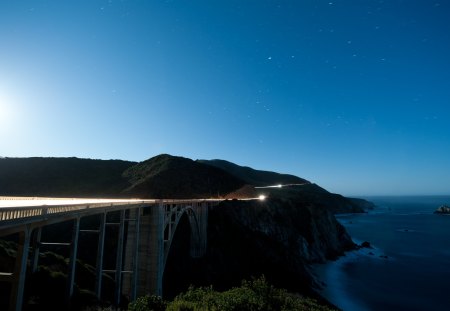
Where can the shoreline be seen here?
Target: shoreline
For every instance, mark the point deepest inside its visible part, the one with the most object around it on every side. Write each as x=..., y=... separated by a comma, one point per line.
x=335, y=283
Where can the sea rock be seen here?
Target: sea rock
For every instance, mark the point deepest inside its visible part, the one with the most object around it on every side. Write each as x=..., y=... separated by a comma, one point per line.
x=444, y=209
x=366, y=244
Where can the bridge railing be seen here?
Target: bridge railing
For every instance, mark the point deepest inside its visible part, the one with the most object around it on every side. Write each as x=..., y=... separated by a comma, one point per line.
x=15, y=213
x=31, y=198
x=22, y=212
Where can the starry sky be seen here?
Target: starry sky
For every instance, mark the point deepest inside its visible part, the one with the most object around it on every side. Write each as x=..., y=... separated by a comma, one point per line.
x=351, y=94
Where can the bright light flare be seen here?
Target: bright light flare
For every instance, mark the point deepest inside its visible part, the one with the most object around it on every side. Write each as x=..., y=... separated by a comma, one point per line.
x=8, y=110
x=5, y=108
x=262, y=197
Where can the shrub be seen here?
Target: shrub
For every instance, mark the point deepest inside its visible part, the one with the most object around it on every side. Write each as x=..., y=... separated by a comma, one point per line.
x=148, y=303
x=254, y=295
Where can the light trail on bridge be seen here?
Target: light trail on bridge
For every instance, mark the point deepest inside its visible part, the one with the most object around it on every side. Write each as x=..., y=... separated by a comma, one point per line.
x=282, y=185
x=38, y=201
x=10, y=202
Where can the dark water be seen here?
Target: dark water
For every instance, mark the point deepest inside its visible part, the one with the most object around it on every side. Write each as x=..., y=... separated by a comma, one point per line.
x=416, y=274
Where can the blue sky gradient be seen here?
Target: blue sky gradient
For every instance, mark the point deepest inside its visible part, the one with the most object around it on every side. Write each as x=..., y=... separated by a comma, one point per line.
x=352, y=95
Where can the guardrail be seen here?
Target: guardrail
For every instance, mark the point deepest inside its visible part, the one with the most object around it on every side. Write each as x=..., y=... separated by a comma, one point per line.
x=21, y=212
x=13, y=213
x=31, y=198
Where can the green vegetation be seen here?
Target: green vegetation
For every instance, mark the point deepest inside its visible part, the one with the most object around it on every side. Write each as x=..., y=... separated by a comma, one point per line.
x=255, y=295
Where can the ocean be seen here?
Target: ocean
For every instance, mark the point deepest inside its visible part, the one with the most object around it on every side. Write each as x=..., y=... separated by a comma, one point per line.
x=416, y=273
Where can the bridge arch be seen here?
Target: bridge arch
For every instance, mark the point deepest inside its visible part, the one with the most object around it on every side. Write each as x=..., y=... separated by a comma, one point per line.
x=197, y=232
x=158, y=227
x=178, y=275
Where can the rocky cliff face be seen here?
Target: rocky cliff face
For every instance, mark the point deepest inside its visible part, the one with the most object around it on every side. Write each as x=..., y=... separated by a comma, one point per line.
x=278, y=237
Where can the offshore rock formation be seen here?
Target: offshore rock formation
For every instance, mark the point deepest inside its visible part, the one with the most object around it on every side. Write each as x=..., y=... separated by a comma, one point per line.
x=444, y=209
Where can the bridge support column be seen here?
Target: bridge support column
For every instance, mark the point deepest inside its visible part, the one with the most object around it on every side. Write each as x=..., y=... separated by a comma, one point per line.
x=132, y=260
x=36, y=250
x=134, y=280
x=151, y=251
x=20, y=270
x=157, y=249
x=119, y=258
x=73, y=259
x=99, y=261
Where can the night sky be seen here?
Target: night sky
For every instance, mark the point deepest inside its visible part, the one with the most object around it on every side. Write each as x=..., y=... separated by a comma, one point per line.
x=352, y=95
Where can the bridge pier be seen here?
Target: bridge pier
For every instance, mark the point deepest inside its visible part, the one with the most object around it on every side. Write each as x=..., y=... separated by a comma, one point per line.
x=156, y=258
x=119, y=258
x=134, y=280
x=130, y=280
x=73, y=259
x=145, y=253
x=36, y=249
x=20, y=270
x=99, y=260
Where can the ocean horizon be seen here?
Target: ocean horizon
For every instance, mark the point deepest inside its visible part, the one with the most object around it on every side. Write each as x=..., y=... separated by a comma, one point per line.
x=408, y=266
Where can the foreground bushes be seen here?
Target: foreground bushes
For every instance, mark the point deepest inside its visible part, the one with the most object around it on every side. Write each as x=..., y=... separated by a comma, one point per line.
x=254, y=295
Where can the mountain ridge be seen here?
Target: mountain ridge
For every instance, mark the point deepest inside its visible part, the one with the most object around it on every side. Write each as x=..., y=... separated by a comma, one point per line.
x=162, y=176
x=253, y=176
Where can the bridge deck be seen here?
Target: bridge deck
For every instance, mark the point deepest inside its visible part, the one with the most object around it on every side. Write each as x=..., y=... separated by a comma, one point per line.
x=16, y=212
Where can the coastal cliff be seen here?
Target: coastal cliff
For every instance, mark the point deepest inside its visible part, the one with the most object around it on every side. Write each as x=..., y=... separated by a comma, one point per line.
x=278, y=237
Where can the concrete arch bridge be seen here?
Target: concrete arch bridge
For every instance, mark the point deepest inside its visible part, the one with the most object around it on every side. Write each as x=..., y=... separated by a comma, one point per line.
x=145, y=232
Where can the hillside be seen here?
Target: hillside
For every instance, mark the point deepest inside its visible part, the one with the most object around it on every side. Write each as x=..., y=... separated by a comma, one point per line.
x=62, y=177
x=252, y=176
x=166, y=176
x=163, y=176
x=308, y=192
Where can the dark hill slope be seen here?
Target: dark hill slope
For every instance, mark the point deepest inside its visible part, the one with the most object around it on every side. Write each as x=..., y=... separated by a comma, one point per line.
x=166, y=176
x=335, y=203
x=61, y=177
x=307, y=193
x=252, y=176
